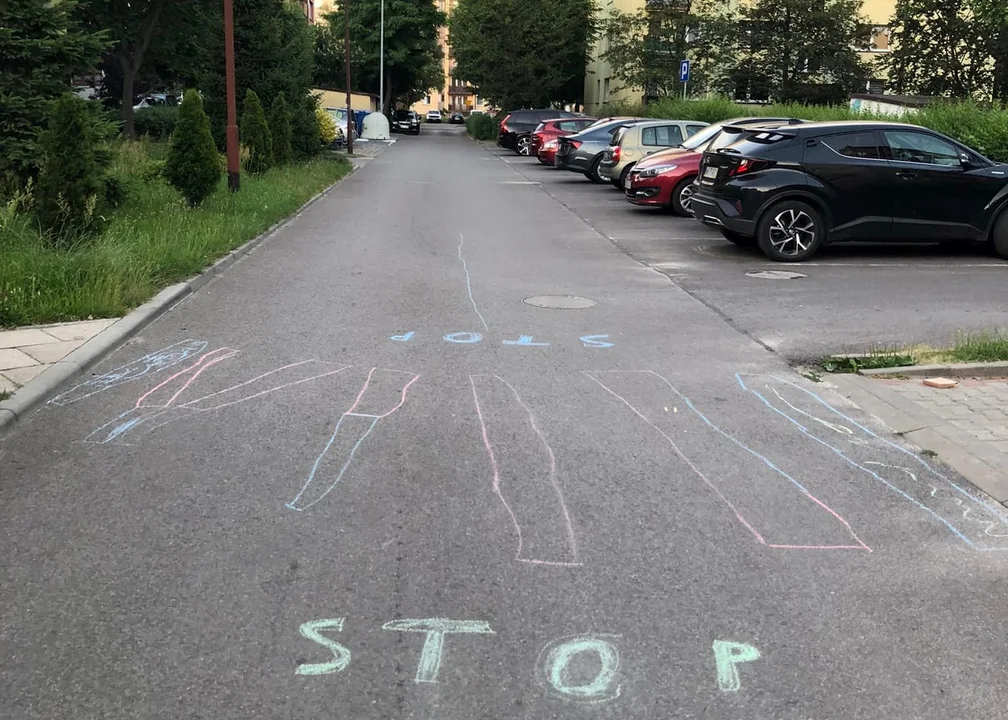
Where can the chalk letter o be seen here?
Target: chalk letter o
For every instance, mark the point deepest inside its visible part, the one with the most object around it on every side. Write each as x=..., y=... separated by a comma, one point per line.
x=463, y=338
x=551, y=668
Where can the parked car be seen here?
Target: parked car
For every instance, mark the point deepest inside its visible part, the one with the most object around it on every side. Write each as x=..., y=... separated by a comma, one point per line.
x=456, y=118
x=433, y=116
x=406, y=121
x=339, y=116
x=582, y=152
x=632, y=143
x=546, y=136
x=665, y=179
x=791, y=190
x=516, y=128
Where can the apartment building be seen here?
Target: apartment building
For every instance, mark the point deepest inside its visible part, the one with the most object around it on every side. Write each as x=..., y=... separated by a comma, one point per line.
x=456, y=94
x=602, y=86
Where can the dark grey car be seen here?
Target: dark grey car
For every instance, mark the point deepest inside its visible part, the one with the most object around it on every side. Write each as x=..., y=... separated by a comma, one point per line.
x=583, y=151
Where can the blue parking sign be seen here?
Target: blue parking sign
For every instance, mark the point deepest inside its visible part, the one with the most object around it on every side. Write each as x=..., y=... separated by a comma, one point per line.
x=683, y=70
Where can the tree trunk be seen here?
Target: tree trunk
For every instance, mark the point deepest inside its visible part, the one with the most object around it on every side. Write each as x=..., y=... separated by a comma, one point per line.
x=128, y=78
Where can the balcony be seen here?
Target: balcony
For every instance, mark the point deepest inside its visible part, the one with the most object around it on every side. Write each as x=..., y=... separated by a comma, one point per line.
x=460, y=90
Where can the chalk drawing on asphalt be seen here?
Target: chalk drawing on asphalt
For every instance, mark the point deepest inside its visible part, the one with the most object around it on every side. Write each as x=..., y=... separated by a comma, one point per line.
x=161, y=402
x=352, y=428
x=818, y=519
x=156, y=401
x=502, y=414
x=148, y=364
x=468, y=280
x=980, y=524
x=562, y=668
x=434, y=630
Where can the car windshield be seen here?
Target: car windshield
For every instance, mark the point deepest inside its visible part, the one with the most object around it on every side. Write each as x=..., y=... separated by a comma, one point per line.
x=403, y=115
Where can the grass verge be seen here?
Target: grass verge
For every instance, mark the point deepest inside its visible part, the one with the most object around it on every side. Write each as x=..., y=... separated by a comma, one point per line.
x=4, y=394
x=152, y=240
x=969, y=347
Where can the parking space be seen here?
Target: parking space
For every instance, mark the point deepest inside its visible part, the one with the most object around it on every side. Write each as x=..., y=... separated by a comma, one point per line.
x=849, y=298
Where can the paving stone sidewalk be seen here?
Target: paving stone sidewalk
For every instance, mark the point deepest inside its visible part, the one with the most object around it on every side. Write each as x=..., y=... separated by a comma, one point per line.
x=966, y=426
x=26, y=352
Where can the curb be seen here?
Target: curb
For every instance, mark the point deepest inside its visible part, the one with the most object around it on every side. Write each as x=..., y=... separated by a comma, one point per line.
x=955, y=370
x=42, y=388
x=922, y=428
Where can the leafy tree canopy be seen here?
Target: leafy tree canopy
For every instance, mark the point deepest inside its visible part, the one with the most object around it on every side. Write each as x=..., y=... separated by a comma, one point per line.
x=412, y=52
x=524, y=53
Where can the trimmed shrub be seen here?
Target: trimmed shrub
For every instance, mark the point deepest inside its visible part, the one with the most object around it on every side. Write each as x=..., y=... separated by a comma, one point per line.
x=157, y=123
x=326, y=126
x=193, y=165
x=306, y=133
x=482, y=127
x=70, y=192
x=280, y=128
x=255, y=135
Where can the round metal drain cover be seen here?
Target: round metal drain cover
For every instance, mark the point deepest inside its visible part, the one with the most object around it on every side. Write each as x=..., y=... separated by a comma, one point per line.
x=775, y=274
x=559, y=302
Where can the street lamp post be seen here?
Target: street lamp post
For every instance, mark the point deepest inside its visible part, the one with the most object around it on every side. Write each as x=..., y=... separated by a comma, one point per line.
x=231, y=132
x=381, y=62
x=346, y=62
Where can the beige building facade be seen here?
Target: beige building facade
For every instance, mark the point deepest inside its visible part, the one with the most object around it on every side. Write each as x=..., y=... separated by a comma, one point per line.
x=602, y=86
x=456, y=94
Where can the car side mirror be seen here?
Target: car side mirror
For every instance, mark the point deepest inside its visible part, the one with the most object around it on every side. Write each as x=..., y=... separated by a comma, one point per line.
x=964, y=161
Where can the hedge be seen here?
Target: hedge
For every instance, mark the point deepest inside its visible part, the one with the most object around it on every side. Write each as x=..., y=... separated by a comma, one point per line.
x=983, y=129
x=482, y=127
x=156, y=122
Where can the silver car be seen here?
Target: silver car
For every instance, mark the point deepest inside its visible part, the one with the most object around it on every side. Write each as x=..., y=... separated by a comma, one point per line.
x=583, y=151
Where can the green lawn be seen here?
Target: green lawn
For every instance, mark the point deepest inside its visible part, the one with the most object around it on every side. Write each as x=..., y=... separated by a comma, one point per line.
x=152, y=240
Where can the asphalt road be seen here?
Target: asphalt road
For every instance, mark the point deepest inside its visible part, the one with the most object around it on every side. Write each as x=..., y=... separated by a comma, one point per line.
x=356, y=476
x=854, y=297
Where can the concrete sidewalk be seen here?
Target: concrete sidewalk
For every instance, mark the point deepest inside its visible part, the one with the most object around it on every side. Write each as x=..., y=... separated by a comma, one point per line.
x=966, y=426
x=26, y=352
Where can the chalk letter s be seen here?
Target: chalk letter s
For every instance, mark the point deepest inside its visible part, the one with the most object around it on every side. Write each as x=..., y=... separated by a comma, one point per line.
x=403, y=338
x=341, y=656
x=555, y=659
x=436, y=628
x=727, y=655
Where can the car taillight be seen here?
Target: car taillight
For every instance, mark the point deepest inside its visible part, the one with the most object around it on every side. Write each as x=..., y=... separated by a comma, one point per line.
x=574, y=143
x=503, y=125
x=745, y=165
x=616, y=152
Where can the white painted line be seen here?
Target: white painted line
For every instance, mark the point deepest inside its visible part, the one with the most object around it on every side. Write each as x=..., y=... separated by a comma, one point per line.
x=518, y=182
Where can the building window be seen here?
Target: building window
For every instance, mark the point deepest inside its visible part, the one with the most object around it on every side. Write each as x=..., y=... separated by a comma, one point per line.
x=427, y=100
x=605, y=91
x=598, y=91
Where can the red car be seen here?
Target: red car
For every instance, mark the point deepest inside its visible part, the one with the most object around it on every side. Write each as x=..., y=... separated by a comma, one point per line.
x=665, y=179
x=545, y=137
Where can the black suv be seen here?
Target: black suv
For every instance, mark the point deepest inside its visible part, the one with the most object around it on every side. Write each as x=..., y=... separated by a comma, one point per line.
x=517, y=126
x=406, y=121
x=790, y=190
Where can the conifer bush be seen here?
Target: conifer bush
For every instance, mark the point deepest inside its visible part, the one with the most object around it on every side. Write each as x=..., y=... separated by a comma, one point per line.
x=255, y=135
x=193, y=165
x=280, y=129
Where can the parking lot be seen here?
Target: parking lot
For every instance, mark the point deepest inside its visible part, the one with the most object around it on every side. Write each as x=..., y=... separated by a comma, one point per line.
x=850, y=297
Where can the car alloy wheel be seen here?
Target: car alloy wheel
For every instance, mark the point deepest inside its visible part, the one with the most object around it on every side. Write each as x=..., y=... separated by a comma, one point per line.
x=999, y=238
x=790, y=231
x=682, y=197
x=595, y=174
x=524, y=144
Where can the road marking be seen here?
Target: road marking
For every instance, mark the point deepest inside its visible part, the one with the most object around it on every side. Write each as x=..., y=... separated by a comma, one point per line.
x=518, y=182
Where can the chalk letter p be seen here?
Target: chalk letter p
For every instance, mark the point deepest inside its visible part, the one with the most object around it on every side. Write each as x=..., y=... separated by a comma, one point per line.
x=727, y=655
x=436, y=628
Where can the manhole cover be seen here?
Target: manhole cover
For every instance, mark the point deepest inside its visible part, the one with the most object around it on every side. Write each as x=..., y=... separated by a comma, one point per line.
x=775, y=274
x=559, y=302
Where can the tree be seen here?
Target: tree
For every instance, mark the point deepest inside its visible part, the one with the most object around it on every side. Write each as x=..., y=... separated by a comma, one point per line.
x=280, y=129
x=255, y=135
x=802, y=50
x=274, y=53
x=71, y=184
x=940, y=48
x=154, y=42
x=645, y=47
x=193, y=165
x=411, y=49
x=43, y=47
x=521, y=53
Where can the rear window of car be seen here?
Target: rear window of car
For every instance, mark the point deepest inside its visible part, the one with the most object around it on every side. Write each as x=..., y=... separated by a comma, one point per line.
x=617, y=137
x=692, y=130
x=569, y=125
x=661, y=136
